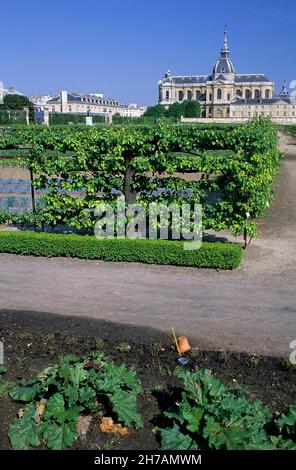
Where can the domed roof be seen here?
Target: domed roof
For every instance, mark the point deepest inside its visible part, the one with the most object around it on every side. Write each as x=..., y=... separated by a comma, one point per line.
x=224, y=65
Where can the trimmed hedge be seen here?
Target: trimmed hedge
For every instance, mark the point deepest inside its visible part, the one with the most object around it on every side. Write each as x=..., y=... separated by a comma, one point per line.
x=210, y=255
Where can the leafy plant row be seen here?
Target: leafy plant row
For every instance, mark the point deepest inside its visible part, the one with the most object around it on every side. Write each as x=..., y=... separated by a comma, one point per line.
x=234, y=166
x=208, y=414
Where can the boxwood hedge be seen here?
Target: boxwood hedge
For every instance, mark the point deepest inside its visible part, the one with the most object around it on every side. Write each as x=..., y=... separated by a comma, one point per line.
x=210, y=255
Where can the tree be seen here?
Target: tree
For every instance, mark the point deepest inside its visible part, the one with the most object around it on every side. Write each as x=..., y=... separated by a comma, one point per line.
x=175, y=111
x=155, y=111
x=191, y=109
x=18, y=102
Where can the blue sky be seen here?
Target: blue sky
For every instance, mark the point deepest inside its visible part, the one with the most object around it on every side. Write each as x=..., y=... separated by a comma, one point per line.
x=122, y=48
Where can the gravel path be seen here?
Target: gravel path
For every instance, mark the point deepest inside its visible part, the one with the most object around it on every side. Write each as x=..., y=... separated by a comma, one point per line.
x=251, y=309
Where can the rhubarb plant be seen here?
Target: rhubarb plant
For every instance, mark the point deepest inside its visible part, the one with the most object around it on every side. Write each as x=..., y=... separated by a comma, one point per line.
x=78, y=386
x=211, y=415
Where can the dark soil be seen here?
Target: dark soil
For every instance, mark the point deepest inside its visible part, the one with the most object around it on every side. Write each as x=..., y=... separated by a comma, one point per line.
x=33, y=341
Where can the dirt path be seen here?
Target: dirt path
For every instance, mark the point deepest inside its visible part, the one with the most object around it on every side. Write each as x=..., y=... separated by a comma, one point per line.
x=251, y=309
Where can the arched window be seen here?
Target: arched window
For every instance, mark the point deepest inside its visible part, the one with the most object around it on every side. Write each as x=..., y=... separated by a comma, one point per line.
x=257, y=94
x=181, y=95
x=189, y=95
x=219, y=94
x=247, y=94
x=228, y=96
x=197, y=95
x=167, y=95
x=238, y=93
x=267, y=94
x=210, y=96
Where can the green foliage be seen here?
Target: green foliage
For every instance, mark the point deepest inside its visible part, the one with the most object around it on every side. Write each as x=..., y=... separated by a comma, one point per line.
x=210, y=255
x=192, y=109
x=145, y=163
x=5, y=385
x=157, y=111
x=4, y=217
x=66, y=118
x=18, y=103
x=13, y=116
x=210, y=415
x=75, y=387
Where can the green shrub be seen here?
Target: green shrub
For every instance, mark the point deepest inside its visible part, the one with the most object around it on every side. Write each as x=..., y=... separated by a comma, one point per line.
x=4, y=217
x=60, y=395
x=211, y=416
x=210, y=255
x=66, y=118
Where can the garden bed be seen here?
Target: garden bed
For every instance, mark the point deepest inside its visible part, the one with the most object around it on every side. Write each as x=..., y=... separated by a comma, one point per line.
x=28, y=350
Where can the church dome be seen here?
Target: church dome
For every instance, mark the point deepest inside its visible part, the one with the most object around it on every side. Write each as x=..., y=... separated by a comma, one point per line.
x=224, y=65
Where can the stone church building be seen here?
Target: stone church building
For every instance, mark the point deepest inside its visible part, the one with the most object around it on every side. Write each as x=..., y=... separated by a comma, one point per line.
x=227, y=94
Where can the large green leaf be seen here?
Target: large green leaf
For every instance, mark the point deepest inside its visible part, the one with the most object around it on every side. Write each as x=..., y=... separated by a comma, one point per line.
x=23, y=432
x=25, y=393
x=87, y=396
x=3, y=369
x=77, y=374
x=55, y=410
x=174, y=439
x=193, y=418
x=71, y=393
x=60, y=437
x=124, y=404
x=55, y=407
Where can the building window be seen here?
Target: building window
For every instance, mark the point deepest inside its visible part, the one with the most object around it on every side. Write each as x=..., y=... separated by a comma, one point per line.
x=189, y=95
x=198, y=95
x=210, y=96
x=267, y=94
x=247, y=94
x=181, y=95
x=70, y=109
x=238, y=93
x=257, y=94
x=219, y=94
x=167, y=95
x=228, y=97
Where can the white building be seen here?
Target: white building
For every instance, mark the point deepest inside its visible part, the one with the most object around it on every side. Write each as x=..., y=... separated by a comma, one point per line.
x=92, y=103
